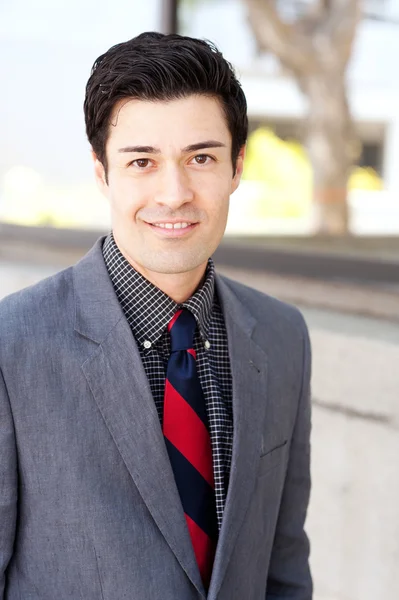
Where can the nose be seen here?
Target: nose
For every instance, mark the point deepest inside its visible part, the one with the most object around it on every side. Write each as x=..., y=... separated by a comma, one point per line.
x=174, y=188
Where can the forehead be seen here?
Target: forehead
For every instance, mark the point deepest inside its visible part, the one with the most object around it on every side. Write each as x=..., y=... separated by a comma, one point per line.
x=167, y=123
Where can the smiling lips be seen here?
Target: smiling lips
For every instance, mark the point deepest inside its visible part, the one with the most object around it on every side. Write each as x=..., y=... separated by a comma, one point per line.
x=173, y=229
x=182, y=225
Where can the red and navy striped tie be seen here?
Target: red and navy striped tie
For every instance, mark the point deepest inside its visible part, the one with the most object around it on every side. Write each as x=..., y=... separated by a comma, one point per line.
x=186, y=432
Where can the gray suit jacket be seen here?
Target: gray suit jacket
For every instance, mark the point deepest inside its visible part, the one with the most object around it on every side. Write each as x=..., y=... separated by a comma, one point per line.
x=89, y=509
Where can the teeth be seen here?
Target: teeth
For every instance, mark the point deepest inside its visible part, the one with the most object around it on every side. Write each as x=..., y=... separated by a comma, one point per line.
x=172, y=225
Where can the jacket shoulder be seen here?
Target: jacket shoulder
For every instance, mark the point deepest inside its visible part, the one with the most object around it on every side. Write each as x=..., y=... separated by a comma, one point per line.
x=266, y=308
x=35, y=307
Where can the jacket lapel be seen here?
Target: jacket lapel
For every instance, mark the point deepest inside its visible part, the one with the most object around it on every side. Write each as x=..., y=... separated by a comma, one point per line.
x=118, y=382
x=249, y=372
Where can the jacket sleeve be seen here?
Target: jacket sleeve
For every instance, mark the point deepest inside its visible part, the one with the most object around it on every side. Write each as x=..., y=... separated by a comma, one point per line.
x=8, y=484
x=289, y=573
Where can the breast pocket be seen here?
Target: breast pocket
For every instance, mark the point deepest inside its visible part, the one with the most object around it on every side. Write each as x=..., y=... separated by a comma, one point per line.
x=272, y=458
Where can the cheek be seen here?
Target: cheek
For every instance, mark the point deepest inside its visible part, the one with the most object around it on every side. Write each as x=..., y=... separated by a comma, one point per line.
x=214, y=198
x=127, y=196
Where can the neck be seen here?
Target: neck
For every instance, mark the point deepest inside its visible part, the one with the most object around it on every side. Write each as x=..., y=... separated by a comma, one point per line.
x=178, y=286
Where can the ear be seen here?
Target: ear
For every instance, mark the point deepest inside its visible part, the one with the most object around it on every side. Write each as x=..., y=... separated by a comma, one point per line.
x=99, y=174
x=239, y=169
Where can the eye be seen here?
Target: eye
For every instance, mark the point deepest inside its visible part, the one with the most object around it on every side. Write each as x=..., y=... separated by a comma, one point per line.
x=202, y=159
x=141, y=163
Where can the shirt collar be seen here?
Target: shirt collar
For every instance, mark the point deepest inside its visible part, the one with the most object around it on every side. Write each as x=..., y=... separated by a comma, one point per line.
x=147, y=308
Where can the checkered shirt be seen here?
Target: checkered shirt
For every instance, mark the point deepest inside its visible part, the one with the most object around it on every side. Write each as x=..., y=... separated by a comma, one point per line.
x=148, y=311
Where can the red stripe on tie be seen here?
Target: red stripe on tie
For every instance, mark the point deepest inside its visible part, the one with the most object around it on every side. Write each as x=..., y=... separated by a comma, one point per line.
x=186, y=431
x=204, y=549
x=192, y=352
x=174, y=319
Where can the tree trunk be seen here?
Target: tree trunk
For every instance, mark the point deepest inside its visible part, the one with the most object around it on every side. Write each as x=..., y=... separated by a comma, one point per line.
x=330, y=141
x=316, y=49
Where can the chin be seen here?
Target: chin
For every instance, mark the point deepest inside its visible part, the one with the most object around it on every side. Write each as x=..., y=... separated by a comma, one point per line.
x=173, y=265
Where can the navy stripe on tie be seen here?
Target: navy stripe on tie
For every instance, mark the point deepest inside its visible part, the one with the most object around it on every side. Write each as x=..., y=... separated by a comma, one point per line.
x=182, y=375
x=197, y=496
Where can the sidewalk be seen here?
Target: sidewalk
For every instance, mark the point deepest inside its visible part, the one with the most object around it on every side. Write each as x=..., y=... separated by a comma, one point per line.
x=374, y=301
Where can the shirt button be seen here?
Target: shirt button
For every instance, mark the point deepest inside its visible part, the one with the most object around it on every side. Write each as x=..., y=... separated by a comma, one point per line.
x=207, y=344
x=147, y=344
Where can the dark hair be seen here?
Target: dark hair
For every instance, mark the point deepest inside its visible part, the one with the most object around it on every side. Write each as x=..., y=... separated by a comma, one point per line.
x=154, y=66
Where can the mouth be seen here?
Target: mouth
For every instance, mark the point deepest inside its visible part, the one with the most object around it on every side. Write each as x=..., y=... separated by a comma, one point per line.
x=172, y=229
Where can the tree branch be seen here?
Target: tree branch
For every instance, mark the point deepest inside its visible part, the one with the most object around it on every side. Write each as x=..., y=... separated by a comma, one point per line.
x=315, y=15
x=286, y=41
x=342, y=23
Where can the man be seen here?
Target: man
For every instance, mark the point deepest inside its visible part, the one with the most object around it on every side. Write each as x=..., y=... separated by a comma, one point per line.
x=154, y=415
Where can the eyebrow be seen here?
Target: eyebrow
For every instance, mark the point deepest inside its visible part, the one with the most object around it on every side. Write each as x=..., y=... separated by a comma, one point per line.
x=190, y=148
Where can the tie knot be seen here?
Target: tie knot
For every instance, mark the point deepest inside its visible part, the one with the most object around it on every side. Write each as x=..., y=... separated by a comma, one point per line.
x=182, y=327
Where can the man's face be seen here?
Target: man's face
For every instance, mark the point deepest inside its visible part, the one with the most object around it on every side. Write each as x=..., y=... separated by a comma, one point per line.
x=169, y=164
